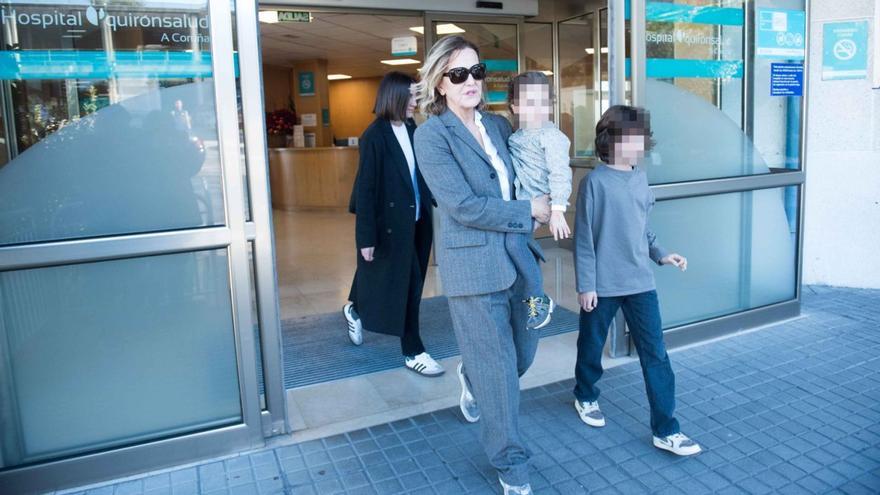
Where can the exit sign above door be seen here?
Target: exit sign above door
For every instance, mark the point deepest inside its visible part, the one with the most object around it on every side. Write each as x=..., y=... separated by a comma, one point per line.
x=294, y=16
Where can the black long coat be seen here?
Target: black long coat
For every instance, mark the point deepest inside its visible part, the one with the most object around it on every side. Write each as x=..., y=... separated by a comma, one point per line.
x=384, y=203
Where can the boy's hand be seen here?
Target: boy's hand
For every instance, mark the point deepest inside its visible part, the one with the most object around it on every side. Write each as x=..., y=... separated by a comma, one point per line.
x=367, y=253
x=675, y=259
x=588, y=300
x=559, y=226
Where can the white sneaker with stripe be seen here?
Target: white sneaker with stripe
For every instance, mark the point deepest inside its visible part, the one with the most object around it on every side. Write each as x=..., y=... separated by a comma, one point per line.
x=424, y=364
x=355, y=328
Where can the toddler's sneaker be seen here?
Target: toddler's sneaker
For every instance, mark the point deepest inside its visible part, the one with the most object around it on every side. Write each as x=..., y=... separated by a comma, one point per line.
x=515, y=490
x=540, y=311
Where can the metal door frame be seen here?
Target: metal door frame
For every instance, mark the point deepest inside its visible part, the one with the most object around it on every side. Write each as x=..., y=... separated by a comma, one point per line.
x=234, y=237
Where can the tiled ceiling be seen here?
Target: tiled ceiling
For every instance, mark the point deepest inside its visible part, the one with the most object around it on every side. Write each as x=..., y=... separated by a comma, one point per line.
x=352, y=44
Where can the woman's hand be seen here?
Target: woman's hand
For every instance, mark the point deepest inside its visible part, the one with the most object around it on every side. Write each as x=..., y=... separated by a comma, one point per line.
x=541, y=208
x=675, y=259
x=367, y=253
x=588, y=300
x=559, y=226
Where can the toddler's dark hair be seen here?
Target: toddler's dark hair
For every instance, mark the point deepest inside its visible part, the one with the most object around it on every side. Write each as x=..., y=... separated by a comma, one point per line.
x=621, y=120
x=530, y=77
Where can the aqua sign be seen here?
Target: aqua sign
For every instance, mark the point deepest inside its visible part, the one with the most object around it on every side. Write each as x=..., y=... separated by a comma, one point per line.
x=845, y=50
x=781, y=34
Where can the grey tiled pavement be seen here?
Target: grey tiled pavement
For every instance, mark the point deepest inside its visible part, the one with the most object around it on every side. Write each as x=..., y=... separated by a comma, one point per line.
x=790, y=409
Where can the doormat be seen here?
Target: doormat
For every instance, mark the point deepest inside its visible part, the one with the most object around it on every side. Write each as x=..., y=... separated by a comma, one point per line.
x=317, y=349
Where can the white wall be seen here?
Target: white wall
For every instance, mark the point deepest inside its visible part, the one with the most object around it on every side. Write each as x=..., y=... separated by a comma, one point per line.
x=842, y=231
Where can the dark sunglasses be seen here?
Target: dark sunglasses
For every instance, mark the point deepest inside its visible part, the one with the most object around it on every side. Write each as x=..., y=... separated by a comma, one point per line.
x=459, y=75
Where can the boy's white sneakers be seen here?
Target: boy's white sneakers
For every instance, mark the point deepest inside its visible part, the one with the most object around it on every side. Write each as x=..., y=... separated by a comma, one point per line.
x=424, y=364
x=355, y=328
x=590, y=413
x=678, y=444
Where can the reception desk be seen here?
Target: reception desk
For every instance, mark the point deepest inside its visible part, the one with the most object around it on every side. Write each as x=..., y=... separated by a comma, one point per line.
x=307, y=178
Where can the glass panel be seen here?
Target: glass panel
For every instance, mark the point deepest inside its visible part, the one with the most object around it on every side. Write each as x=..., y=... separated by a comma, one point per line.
x=93, y=355
x=115, y=129
x=741, y=250
x=695, y=67
x=537, y=46
x=578, y=98
x=498, y=50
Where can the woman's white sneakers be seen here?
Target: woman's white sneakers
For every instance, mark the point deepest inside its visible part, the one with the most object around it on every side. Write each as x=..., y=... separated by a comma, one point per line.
x=355, y=328
x=467, y=402
x=678, y=443
x=515, y=490
x=424, y=364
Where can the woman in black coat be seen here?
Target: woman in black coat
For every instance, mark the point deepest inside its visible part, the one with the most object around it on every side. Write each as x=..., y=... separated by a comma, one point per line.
x=393, y=228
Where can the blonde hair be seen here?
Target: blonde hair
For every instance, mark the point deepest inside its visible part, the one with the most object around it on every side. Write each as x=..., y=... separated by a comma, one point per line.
x=431, y=102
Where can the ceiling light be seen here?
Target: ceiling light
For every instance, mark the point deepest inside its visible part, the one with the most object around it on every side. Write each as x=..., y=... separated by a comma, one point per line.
x=448, y=29
x=337, y=77
x=400, y=61
x=268, y=16
x=547, y=72
x=440, y=28
x=590, y=51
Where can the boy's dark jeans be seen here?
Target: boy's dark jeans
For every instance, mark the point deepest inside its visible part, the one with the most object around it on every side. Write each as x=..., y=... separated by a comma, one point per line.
x=642, y=312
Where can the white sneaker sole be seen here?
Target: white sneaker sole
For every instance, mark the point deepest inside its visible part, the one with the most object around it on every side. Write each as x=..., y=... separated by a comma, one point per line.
x=586, y=419
x=696, y=449
x=463, y=398
x=548, y=318
x=355, y=327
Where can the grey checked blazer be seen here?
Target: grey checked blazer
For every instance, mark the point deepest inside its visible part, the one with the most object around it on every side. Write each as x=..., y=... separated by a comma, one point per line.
x=474, y=218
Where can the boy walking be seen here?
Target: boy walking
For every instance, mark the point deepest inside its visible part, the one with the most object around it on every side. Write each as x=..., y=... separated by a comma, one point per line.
x=613, y=252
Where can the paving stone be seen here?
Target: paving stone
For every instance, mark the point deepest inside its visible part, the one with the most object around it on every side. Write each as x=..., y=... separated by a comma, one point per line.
x=792, y=408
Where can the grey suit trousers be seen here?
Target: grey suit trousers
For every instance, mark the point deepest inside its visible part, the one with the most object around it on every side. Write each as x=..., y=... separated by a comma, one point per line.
x=496, y=349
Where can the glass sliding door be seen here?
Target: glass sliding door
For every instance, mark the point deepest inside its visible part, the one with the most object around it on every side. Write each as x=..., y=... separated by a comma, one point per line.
x=726, y=168
x=126, y=298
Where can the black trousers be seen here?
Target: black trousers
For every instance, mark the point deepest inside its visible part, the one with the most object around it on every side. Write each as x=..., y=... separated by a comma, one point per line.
x=411, y=342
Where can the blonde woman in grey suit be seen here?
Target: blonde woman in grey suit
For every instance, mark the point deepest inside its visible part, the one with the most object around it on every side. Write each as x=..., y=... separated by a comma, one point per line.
x=462, y=154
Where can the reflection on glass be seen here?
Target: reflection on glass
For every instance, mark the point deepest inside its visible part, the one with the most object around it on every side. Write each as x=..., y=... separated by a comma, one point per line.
x=604, y=81
x=695, y=70
x=740, y=249
x=115, y=129
x=537, y=46
x=105, y=354
x=578, y=98
x=498, y=50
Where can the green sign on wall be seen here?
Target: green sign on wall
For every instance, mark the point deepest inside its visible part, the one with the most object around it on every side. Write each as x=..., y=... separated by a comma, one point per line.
x=845, y=50
x=294, y=16
x=307, y=84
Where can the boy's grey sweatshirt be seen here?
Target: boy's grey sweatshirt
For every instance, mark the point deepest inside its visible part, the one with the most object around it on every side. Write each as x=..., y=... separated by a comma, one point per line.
x=613, y=245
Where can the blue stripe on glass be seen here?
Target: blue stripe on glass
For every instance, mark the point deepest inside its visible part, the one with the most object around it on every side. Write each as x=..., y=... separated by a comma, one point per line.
x=496, y=96
x=671, y=12
x=662, y=68
x=501, y=65
x=81, y=64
